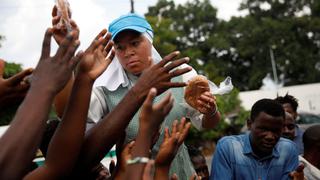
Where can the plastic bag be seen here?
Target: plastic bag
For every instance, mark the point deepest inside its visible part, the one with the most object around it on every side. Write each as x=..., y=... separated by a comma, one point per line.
x=63, y=10
x=225, y=87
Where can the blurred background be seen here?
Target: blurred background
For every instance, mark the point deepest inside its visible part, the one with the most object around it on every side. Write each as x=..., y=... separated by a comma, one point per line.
x=267, y=47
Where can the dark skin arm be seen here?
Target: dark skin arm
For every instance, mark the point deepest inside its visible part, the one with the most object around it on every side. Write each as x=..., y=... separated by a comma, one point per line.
x=151, y=117
x=102, y=135
x=65, y=145
x=49, y=77
x=169, y=147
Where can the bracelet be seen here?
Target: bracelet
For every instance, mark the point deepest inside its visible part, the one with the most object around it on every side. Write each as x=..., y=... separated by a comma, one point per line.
x=215, y=112
x=138, y=160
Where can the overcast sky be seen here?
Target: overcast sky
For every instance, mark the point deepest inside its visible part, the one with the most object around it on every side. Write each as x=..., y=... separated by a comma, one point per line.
x=23, y=22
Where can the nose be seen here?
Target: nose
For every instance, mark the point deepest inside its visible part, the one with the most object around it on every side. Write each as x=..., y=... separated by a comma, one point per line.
x=270, y=136
x=285, y=129
x=129, y=52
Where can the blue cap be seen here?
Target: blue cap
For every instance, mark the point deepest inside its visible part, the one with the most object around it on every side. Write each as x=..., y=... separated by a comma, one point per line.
x=130, y=21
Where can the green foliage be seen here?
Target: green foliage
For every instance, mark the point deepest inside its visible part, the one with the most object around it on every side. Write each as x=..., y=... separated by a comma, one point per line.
x=11, y=69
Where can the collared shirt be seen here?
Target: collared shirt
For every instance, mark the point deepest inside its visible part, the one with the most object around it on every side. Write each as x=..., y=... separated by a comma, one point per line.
x=234, y=159
x=298, y=133
x=310, y=171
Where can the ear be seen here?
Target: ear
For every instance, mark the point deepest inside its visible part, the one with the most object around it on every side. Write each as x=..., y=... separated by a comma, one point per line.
x=249, y=123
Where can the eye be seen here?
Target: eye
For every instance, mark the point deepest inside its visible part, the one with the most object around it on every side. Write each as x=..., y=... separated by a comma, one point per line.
x=135, y=43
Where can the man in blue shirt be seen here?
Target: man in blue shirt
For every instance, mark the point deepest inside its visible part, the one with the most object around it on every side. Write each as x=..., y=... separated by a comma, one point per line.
x=290, y=105
x=260, y=154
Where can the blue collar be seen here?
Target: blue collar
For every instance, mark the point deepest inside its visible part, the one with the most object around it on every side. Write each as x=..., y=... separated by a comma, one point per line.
x=247, y=148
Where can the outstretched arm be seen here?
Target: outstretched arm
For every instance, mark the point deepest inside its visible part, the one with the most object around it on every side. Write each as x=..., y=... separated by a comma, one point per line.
x=66, y=143
x=24, y=134
x=151, y=117
x=100, y=139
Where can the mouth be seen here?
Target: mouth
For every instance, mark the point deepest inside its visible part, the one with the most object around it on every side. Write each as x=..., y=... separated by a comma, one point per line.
x=132, y=63
x=268, y=145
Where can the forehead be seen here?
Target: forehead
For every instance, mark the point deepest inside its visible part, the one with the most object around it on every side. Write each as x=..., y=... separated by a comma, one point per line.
x=264, y=119
x=126, y=35
x=289, y=118
x=287, y=107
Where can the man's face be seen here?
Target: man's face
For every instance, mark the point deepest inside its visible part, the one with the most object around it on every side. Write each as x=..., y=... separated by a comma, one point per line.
x=200, y=166
x=288, y=129
x=288, y=108
x=265, y=133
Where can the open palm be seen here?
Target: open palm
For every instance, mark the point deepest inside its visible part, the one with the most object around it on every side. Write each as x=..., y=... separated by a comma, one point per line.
x=98, y=56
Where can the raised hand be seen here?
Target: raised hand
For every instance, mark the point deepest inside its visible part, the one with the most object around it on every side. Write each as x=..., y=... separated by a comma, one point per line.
x=56, y=70
x=13, y=89
x=60, y=32
x=160, y=75
x=151, y=116
x=298, y=173
x=171, y=143
x=98, y=56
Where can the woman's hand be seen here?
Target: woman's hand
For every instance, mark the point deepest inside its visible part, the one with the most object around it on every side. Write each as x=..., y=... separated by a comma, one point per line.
x=207, y=103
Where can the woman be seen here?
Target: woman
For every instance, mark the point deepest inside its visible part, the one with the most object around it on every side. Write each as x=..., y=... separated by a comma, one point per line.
x=132, y=36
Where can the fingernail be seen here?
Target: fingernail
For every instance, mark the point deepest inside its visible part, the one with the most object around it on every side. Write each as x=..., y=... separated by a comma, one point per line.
x=187, y=59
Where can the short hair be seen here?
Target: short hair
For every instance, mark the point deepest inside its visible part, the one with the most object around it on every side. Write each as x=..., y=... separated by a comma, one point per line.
x=267, y=106
x=193, y=151
x=311, y=137
x=288, y=99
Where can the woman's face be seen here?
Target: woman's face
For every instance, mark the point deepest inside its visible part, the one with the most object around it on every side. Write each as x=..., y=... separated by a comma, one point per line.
x=133, y=51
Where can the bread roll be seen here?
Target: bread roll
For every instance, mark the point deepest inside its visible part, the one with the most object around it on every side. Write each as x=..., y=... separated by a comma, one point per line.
x=196, y=86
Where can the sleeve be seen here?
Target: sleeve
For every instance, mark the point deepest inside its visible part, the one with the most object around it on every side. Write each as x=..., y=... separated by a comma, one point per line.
x=98, y=107
x=221, y=163
x=192, y=114
x=293, y=161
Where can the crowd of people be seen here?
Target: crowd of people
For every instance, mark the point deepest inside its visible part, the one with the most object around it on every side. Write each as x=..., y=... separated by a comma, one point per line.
x=120, y=91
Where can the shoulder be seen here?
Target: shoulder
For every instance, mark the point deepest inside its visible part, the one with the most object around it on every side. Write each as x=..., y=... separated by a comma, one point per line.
x=285, y=145
x=231, y=141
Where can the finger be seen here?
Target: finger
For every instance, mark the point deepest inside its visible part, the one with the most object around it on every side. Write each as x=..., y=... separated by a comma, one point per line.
x=54, y=11
x=181, y=124
x=300, y=168
x=174, y=127
x=174, y=177
x=149, y=100
x=107, y=48
x=166, y=134
x=71, y=50
x=179, y=72
x=95, y=43
x=173, y=84
x=46, y=44
x=168, y=58
x=75, y=28
x=2, y=66
x=19, y=77
x=101, y=34
x=177, y=63
x=106, y=40
x=111, y=55
x=168, y=108
x=147, y=173
x=164, y=101
x=63, y=48
x=76, y=59
x=55, y=20
x=184, y=133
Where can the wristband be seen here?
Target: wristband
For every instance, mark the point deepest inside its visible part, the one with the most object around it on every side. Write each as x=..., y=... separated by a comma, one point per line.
x=137, y=160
